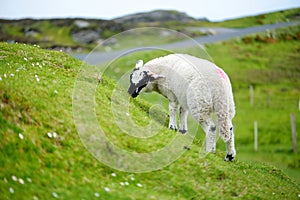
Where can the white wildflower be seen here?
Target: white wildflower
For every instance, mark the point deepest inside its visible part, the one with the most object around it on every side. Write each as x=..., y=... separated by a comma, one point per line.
x=55, y=195
x=97, y=194
x=12, y=75
x=0, y=79
x=55, y=91
x=21, y=181
x=29, y=180
x=126, y=183
x=11, y=190
x=4, y=75
x=107, y=189
x=122, y=183
x=35, y=198
x=114, y=174
x=139, y=185
x=49, y=135
x=127, y=114
x=32, y=64
x=14, y=178
x=21, y=136
x=54, y=134
x=37, y=78
x=25, y=59
x=132, y=178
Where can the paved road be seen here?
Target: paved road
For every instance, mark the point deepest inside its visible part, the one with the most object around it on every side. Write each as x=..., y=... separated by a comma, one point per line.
x=97, y=58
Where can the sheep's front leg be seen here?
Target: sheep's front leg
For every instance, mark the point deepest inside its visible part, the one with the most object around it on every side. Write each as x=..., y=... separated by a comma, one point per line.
x=183, y=120
x=172, y=113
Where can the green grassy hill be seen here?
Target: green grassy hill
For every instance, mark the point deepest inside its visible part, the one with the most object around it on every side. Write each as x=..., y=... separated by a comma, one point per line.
x=42, y=156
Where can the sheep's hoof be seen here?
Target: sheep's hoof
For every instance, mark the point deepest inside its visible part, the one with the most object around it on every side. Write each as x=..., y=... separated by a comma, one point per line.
x=182, y=131
x=187, y=147
x=173, y=128
x=229, y=157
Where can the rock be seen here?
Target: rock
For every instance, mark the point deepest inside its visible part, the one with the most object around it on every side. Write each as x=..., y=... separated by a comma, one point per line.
x=153, y=16
x=86, y=36
x=81, y=23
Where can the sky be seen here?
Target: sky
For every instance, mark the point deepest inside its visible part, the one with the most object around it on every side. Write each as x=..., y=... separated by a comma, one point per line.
x=214, y=10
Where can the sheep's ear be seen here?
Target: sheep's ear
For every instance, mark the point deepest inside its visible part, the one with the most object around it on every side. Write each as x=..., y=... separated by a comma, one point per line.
x=139, y=64
x=155, y=76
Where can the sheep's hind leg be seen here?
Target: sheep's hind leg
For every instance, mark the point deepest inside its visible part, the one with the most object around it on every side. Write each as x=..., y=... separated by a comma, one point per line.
x=209, y=128
x=172, y=112
x=183, y=120
x=230, y=149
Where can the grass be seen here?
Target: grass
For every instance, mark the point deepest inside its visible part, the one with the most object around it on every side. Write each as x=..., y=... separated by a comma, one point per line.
x=36, y=92
x=275, y=79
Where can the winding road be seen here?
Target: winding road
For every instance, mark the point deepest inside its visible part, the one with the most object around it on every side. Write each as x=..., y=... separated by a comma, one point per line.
x=96, y=58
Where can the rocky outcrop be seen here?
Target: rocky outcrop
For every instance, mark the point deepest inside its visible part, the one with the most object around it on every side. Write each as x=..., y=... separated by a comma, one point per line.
x=154, y=16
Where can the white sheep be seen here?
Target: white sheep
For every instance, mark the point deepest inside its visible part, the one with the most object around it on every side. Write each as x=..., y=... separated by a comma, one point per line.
x=198, y=86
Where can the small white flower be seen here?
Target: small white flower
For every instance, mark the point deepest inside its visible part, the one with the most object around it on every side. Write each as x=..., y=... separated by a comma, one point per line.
x=25, y=59
x=54, y=134
x=122, y=183
x=126, y=183
x=32, y=64
x=37, y=63
x=49, y=135
x=11, y=190
x=55, y=195
x=12, y=75
x=29, y=180
x=107, y=189
x=35, y=198
x=21, y=136
x=21, y=181
x=4, y=75
x=132, y=178
x=14, y=178
x=55, y=91
x=0, y=79
x=127, y=114
x=97, y=194
x=114, y=174
x=139, y=185
x=36, y=76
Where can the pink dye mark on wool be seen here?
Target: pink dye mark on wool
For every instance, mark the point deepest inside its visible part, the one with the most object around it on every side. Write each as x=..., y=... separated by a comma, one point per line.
x=221, y=73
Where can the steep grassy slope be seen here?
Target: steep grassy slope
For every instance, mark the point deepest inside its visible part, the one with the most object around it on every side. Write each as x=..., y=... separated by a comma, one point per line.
x=42, y=157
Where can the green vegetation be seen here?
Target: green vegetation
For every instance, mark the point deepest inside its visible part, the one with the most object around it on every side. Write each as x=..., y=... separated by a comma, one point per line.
x=36, y=100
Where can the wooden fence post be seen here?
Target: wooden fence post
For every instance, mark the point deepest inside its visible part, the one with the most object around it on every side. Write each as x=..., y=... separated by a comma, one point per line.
x=294, y=134
x=251, y=95
x=255, y=136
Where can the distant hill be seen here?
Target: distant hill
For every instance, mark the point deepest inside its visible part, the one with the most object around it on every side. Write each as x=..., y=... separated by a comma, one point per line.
x=157, y=16
x=83, y=34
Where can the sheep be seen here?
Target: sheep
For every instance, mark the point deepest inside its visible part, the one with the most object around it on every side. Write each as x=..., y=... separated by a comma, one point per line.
x=194, y=85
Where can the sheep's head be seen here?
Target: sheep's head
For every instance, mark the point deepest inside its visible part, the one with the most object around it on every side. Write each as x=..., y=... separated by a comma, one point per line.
x=140, y=78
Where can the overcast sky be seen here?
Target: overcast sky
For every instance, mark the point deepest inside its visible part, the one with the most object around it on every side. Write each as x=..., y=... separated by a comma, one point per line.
x=214, y=10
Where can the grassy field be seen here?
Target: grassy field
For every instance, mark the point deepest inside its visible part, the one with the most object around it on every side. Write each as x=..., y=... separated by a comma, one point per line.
x=271, y=65
x=43, y=157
